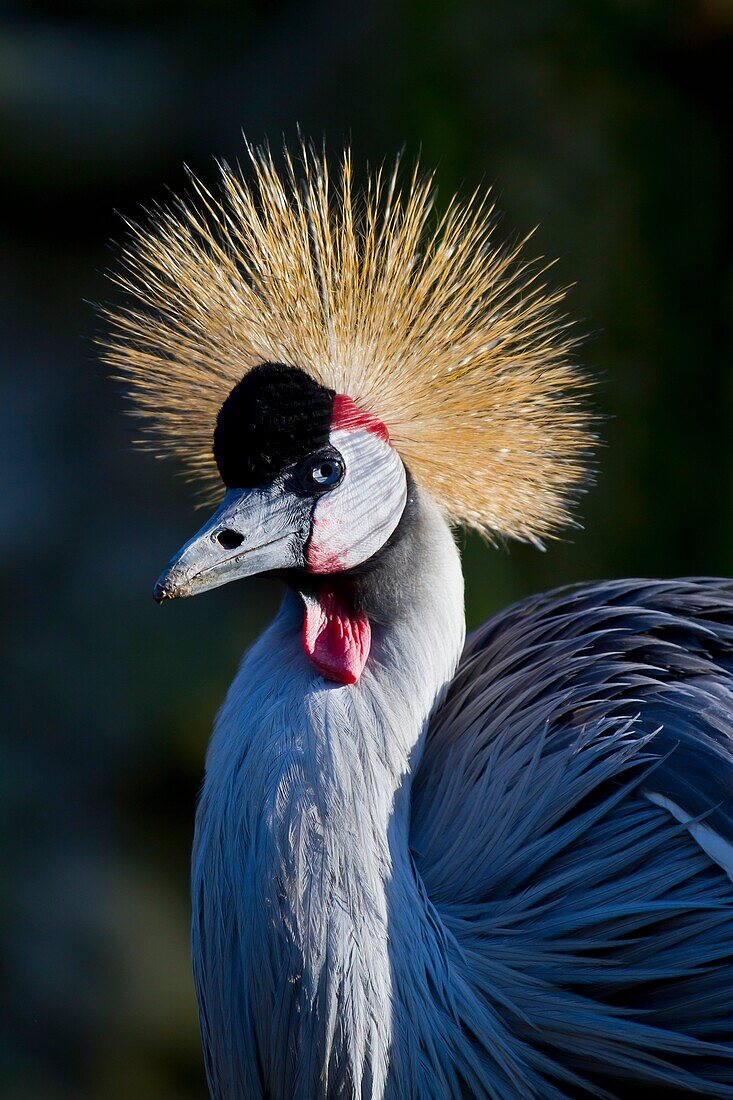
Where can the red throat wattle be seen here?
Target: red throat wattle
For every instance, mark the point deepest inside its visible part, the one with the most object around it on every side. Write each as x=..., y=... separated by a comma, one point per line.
x=337, y=641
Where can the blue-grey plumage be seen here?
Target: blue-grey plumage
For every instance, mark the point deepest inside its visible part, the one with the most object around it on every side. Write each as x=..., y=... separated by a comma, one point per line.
x=486, y=902
x=593, y=925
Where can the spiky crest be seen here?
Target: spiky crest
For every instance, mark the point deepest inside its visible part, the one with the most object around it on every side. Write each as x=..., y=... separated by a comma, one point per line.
x=453, y=341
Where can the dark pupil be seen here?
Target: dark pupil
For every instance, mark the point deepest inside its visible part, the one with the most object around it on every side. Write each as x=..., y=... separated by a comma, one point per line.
x=326, y=471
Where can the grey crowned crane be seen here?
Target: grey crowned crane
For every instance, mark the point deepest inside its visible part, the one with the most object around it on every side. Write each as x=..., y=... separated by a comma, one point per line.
x=424, y=868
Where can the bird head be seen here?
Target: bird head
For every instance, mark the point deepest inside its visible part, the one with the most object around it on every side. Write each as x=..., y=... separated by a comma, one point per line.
x=316, y=350
x=312, y=484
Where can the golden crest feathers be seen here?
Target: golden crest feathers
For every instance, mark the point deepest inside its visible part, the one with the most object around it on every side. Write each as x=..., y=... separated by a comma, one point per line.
x=451, y=340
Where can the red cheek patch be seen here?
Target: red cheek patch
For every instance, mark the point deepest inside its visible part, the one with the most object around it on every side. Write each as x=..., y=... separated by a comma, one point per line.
x=337, y=642
x=319, y=557
x=348, y=416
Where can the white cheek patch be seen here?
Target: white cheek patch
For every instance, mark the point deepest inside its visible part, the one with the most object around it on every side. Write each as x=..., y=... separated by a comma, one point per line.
x=353, y=521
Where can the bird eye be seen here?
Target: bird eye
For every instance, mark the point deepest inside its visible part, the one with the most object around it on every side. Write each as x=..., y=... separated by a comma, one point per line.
x=318, y=473
x=327, y=472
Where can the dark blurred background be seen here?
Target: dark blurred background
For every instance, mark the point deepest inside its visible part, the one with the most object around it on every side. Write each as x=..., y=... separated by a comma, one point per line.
x=608, y=122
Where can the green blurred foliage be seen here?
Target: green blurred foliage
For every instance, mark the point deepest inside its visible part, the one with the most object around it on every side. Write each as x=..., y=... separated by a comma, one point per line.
x=607, y=123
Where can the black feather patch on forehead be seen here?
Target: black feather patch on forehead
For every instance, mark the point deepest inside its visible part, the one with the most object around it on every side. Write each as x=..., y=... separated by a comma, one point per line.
x=275, y=416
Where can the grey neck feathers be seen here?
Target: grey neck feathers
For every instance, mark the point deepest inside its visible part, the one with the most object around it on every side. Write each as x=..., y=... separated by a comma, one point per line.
x=301, y=858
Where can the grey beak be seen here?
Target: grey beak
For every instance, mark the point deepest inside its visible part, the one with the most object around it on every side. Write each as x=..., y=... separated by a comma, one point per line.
x=253, y=531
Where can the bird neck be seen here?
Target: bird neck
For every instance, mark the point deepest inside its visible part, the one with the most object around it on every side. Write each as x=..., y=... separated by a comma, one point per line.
x=308, y=786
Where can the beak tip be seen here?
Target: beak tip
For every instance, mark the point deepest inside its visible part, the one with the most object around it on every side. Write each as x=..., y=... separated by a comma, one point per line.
x=161, y=592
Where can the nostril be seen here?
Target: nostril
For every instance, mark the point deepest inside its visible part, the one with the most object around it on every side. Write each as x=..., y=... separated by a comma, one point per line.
x=229, y=539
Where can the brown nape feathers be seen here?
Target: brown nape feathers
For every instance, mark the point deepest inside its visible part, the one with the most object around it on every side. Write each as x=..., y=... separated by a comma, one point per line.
x=452, y=341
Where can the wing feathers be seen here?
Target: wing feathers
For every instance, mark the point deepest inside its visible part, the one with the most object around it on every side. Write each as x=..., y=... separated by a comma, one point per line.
x=571, y=814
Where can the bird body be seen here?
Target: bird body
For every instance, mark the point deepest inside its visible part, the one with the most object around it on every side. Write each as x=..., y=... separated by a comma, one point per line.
x=423, y=869
x=485, y=902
